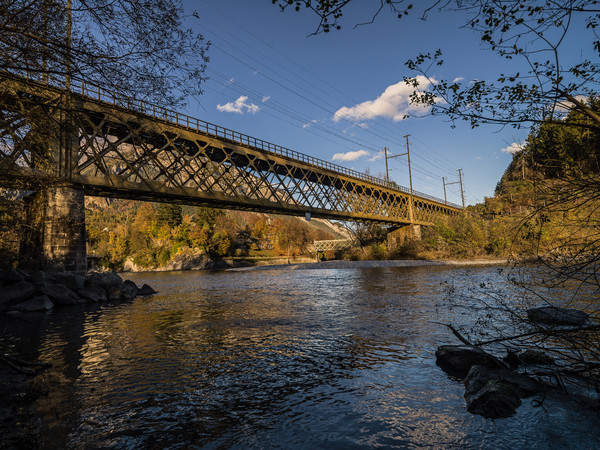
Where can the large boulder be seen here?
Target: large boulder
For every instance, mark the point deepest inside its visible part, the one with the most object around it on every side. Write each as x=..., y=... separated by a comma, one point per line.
x=497, y=392
x=553, y=315
x=188, y=259
x=72, y=281
x=146, y=290
x=496, y=399
x=456, y=360
x=38, y=303
x=94, y=294
x=16, y=293
x=104, y=279
x=59, y=294
x=39, y=277
x=531, y=357
x=110, y=281
x=129, y=290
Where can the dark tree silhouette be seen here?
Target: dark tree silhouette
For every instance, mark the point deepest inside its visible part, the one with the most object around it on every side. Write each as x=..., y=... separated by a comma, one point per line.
x=137, y=49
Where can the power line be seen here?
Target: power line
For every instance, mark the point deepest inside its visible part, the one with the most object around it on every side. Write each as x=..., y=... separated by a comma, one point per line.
x=294, y=114
x=288, y=112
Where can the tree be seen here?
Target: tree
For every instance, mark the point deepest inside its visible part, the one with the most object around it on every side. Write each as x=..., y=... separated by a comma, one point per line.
x=533, y=32
x=207, y=216
x=139, y=49
x=169, y=214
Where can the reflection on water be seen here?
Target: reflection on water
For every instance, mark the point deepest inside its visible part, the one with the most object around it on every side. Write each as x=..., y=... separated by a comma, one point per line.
x=311, y=359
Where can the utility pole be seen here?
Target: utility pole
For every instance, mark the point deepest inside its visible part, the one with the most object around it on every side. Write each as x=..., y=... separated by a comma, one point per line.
x=462, y=192
x=409, y=171
x=387, y=172
x=410, y=205
x=444, y=183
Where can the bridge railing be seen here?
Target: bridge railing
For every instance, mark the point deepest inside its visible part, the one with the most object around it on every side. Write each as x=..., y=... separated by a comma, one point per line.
x=95, y=92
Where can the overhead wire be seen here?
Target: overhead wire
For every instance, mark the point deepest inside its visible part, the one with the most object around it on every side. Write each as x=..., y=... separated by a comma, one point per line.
x=313, y=86
x=282, y=109
x=296, y=93
x=287, y=111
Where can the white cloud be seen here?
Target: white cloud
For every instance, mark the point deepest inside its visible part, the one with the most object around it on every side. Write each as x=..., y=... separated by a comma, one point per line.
x=377, y=156
x=513, y=148
x=240, y=106
x=566, y=105
x=350, y=156
x=266, y=98
x=457, y=79
x=394, y=103
x=308, y=124
x=478, y=157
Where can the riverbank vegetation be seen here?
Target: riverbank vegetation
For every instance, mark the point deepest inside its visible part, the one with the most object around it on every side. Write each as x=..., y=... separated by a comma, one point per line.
x=128, y=234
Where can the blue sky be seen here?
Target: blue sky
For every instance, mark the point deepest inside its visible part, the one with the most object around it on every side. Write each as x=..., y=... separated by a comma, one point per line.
x=271, y=80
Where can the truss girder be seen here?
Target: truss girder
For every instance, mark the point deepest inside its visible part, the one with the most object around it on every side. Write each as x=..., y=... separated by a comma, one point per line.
x=128, y=154
x=337, y=244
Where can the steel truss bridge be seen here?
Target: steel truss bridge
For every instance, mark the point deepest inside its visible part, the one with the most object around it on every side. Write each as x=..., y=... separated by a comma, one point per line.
x=121, y=147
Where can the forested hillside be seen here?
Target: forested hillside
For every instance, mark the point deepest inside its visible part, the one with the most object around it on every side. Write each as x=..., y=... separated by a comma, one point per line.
x=151, y=234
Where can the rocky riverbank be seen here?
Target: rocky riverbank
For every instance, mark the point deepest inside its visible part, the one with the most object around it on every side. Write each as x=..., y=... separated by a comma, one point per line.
x=22, y=292
x=494, y=385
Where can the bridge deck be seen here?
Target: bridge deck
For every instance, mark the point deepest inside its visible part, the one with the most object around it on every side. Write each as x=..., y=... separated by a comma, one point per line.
x=128, y=148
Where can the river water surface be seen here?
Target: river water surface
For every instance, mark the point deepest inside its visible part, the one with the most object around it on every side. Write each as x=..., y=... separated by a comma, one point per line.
x=334, y=358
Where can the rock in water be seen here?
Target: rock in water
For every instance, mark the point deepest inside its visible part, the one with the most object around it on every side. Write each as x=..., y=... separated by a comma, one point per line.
x=535, y=357
x=111, y=282
x=553, y=315
x=129, y=291
x=146, y=290
x=72, y=281
x=16, y=293
x=39, y=303
x=495, y=393
x=494, y=400
x=456, y=360
x=59, y=294
x=94, y=294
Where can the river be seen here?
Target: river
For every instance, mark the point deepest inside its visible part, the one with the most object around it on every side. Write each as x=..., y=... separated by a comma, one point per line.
x=333, y=358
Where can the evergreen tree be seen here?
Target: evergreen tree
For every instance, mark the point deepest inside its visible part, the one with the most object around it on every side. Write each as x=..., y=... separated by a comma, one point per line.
x=168, y=214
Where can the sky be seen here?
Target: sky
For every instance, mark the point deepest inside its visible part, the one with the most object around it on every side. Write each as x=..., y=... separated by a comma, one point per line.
x=340, y=96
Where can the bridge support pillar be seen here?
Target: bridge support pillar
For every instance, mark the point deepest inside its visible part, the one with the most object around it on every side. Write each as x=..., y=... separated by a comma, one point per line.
x=55, y=237
x=397, y=237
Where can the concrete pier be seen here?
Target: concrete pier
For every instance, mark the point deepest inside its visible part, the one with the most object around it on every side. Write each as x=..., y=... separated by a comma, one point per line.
x=397, y=237
x=55, y=237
